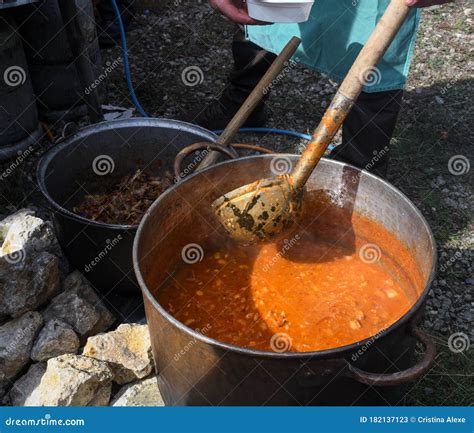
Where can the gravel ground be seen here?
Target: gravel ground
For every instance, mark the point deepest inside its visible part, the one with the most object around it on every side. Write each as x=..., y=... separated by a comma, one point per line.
x=432, y=145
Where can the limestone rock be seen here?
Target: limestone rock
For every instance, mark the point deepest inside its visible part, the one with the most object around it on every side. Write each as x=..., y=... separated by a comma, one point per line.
x=78, y=284
x=102, y=396
x=56, y=338
x=74, y=310
x=127, y=350
x=22, y=230
x=27, y=281
x=142, y=393
x=4, y=384
x=73, y=380
x=22, y=389
x=29, y=264
x=79, y=306
x=16, y=339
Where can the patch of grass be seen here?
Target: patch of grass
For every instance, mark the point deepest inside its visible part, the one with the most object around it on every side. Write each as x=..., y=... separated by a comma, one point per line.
x=450, y=381
x=462, y=25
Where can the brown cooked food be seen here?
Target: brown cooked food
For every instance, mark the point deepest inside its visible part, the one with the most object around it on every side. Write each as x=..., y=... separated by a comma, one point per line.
x=125, y=201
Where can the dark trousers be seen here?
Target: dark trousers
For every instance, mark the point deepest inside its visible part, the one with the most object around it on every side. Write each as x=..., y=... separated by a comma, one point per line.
x=250, y=64
x=367, y=129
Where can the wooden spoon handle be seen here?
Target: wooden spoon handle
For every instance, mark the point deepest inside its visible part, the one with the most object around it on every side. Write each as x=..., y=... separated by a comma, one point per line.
x=362, y=72
x=253, y=99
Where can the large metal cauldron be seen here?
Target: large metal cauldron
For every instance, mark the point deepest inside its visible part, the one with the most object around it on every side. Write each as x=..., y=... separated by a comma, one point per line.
x=103, y=252
x=196, y=370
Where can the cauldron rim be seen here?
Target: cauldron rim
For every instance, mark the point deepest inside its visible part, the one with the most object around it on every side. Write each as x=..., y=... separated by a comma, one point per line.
x=89, y=130
x=321, y=354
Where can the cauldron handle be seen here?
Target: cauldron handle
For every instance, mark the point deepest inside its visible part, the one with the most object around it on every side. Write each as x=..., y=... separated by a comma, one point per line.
x=228, y=151
x=412, y=373
x=183, y=153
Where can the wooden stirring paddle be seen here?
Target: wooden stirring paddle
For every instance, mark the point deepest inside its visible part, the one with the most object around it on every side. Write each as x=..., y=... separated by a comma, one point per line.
x=264, y=209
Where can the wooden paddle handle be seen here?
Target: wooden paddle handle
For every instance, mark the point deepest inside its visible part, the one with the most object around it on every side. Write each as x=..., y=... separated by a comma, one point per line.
x=363, y=72
x=253, y=99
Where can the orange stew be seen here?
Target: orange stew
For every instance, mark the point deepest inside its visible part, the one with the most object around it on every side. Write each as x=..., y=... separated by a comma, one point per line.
x=304, y=294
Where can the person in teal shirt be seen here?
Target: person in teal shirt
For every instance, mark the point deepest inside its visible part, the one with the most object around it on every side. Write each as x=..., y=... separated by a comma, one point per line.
x=331, y=39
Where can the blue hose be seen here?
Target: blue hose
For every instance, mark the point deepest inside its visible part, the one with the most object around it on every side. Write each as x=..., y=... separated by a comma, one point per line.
x=272, y=131
x=276, y=131
x=126, y=65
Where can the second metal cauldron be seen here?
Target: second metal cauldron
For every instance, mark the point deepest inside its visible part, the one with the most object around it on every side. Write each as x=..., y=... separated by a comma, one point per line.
x=196, y=370
x=79, y=164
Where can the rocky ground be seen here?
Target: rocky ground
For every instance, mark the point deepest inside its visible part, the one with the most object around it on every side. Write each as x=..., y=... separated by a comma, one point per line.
x=53, y=347
x=432, y=147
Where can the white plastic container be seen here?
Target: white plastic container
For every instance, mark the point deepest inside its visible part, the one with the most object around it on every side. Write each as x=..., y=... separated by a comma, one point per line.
x=280, y=11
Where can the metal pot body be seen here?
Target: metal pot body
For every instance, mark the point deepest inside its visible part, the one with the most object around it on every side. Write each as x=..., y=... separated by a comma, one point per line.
x=103, y=252
x=196, y=370
x=54, y=75
x=19, y=127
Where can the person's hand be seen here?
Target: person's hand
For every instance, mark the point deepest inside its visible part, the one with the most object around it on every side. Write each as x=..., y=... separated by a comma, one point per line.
x=235, y=10
x=426, y=3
